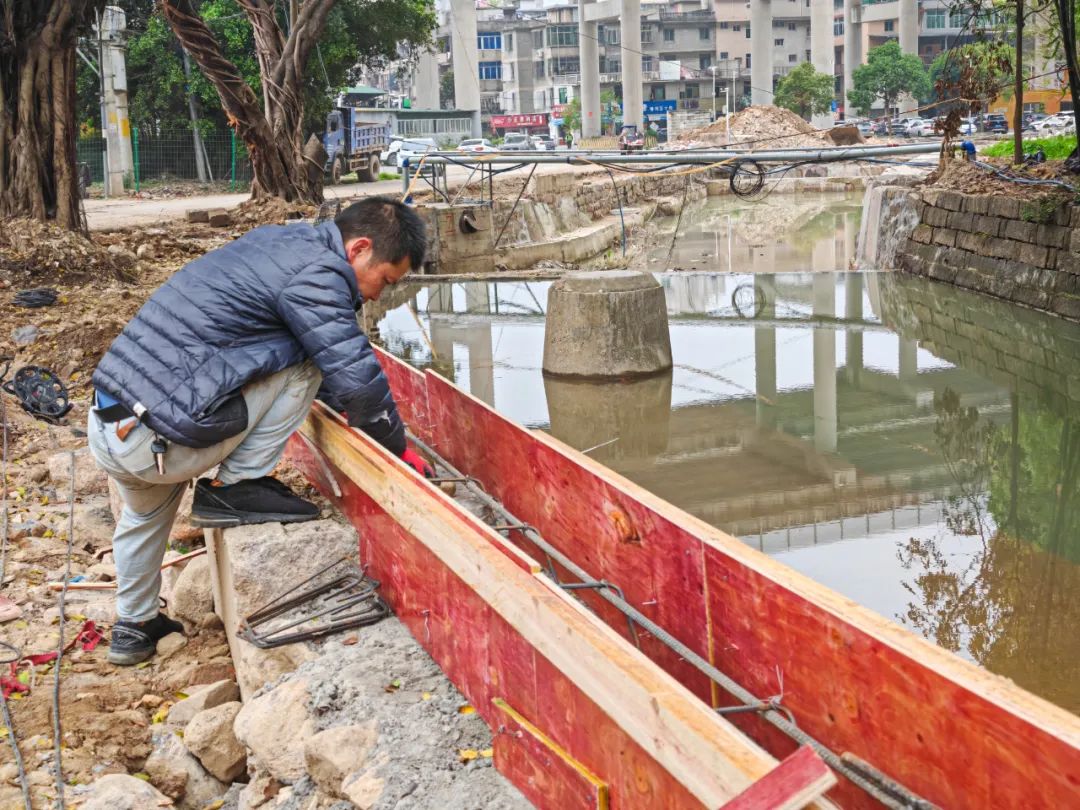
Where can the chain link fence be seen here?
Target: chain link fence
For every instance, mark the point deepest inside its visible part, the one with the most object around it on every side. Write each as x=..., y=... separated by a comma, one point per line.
x=163, y=157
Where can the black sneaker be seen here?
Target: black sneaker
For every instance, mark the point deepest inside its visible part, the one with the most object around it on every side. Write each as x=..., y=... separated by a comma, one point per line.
x=260, y=500
x=134, y=642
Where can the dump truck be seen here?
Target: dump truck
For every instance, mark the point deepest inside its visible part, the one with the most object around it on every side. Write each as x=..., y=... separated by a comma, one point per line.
x=353, y=145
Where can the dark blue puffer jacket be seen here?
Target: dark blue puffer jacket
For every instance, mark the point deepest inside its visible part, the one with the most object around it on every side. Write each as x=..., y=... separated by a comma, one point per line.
x=274, y=297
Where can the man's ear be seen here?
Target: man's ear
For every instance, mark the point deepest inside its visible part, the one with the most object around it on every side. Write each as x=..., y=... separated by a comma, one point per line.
x=356, y=246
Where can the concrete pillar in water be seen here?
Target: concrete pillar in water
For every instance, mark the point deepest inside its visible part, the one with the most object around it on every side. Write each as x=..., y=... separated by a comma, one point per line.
x=908, y=23
x=852, y=47
x=465, y=55
x=825, y=366
x=761, y=63
x=822, y=54
x=765, y=355
x=853, y=310
x=823, y=255
x=909, y=360
x=426, y=82
x=606, y=324
x=630, y=35
x=589, y=62
x=635, y=413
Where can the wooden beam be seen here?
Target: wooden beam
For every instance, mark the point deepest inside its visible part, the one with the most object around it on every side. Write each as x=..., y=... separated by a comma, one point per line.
x=498, y=628
x=792, y=784
x=853, y=679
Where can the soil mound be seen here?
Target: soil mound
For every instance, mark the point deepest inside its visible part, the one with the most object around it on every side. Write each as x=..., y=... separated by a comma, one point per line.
x=968, y=178
x=272, y=211
x=44, y=252
x=760, y=127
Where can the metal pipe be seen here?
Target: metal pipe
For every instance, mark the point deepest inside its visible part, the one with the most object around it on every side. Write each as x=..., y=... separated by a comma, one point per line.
x=687, y=157
x=881, y=787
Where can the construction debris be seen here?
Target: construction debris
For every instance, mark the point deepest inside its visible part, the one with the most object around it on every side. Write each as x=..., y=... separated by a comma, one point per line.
x=36, y=251
x=758, y=127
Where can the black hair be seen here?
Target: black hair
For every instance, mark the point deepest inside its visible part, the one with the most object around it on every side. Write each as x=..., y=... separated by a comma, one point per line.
x=395, y=229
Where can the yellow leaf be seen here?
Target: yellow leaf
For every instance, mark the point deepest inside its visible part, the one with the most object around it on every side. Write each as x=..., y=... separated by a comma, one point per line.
x=143, y=665
x=426, y=696
x=44, y=500
x=48, y=533
x=3, y=731
x=180, y=695
x=160, y=715
x=466, y=709
x=76, y=617
x=467, y=754
x=487, y=753
x=16, y=696
x=393, y=686
x=23, y=677
x=144, y=776
x=216, y=805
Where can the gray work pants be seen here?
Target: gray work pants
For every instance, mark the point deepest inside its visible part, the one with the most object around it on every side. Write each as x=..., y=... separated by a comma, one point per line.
x=276, y=406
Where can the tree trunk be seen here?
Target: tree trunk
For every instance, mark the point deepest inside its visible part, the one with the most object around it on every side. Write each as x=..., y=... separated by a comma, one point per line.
x=1018, y=68
x=1066, y=11
x=37, y=107
x=273, y=134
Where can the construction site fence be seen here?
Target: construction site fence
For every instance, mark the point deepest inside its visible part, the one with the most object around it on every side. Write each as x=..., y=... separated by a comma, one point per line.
x=163, y=157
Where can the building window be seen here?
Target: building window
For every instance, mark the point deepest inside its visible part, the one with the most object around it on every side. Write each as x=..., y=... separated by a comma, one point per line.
x=738, y=27
x=564, y=65
x=778, y=42
x=723, y=54
x=704, y=61
x=791, y=26
x=509, y=71
x=704, y=33
x=646, y=34
x=647, y=64
x=958, y=19
x=890, y=26
x=838, y=28
x=748, y=61
x=935, y=19
x=563, y=96
x=724, y=26
x=778, y=24
x=509, y=42
x=491, y=70
x=691, y=91
x=656, y=93
x=562, y=36
x=748, y=32
x=807, y=54
x=611, y=36
x=539, y=69
x=792, y=57
x=489, y=41
x=669, y=35
x=538, y=38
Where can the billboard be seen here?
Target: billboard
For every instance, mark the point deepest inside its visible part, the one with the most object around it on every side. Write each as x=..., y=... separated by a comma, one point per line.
x=519, y=120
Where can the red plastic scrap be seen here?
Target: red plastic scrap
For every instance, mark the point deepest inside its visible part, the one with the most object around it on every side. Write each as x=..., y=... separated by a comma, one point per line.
x=86, y=639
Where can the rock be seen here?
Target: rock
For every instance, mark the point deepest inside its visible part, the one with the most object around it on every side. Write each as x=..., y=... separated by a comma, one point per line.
x=25, y=335
x=335, y=753
x=101, y=572
x=198, y=215
x=203, y=698
x=211, y=621
x=260, y=790
x=275, y=726
x=219, y=218
x=172, y=643
x=121, y=251
x=363, y=789
x=255, y=668
x=118, y=791
x=89, y=479
x=192, y=595
x=145, y=251
x=210, y=737
x=179, y=775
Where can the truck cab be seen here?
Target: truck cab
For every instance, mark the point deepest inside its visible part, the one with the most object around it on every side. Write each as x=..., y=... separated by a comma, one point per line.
x=353, y=145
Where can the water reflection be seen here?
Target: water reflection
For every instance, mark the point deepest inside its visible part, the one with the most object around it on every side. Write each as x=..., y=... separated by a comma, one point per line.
x=913, y=446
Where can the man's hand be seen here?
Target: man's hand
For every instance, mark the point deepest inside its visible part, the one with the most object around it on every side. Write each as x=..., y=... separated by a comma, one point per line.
x=416, y=461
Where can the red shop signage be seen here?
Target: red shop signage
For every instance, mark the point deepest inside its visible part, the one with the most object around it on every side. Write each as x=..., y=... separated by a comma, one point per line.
x=524, y=120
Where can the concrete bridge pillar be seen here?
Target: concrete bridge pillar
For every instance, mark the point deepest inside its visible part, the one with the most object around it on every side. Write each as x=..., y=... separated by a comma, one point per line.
x=765, y=355
x=825, y=366
x=630, y=36
x=852, y=46
x=909, y=362
x=589, y=60
x=853, y=310
x=426, y=82
x=908, y=23
x=761, y=62
x=822, y=53
x=465, y=52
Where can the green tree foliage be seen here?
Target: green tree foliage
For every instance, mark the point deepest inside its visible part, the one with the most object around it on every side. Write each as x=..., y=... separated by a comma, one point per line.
x=805, y=91
x=887, y=74
x=359, y=34
x=572, y=111
x=446, y=90
x=978, y=71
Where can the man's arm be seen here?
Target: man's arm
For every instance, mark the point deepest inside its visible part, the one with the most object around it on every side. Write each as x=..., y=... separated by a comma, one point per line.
x=317, y=308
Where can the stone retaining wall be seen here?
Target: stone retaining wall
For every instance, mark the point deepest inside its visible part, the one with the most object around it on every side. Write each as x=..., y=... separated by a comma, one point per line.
x=1019, y=250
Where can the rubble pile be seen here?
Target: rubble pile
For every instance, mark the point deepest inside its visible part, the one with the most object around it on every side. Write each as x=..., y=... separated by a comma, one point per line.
x=41, y=252
x=758, y=127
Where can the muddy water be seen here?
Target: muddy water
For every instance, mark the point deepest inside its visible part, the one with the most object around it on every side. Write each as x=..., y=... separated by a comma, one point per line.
x=913, y=446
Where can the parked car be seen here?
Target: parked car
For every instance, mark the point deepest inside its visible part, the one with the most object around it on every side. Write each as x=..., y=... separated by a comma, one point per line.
x=881, y=127
x=865, y=128
x=631, y=139
x=1030, y=118
x=543, y=143
x=412, y=150
x=921, y=128
x=995, y=122
x=968, y=126
x=476, y=145
x=899, y=126
x=516, y=142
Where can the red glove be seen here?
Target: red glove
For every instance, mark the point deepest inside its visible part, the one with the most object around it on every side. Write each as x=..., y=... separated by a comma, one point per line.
x=416, y=461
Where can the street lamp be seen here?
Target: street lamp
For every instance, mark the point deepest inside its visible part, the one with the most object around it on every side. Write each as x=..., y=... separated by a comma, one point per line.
x=727, y=106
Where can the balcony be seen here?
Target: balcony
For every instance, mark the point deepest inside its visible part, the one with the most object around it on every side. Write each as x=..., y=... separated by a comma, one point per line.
x=703, y=15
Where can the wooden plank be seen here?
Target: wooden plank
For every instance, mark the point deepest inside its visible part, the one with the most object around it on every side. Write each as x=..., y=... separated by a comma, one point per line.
x=610, y=707
x=792, y=784
x=952, y=732
x=540, y=767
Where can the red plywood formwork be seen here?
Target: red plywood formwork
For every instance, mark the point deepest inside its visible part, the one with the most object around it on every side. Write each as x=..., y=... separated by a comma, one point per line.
x=950, y=731
x=502, y=631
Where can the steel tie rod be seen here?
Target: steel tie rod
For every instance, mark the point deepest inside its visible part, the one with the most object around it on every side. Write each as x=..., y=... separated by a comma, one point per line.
x=876, y=783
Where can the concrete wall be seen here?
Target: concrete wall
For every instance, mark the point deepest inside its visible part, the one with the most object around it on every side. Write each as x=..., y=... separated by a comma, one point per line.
x=1008, y=247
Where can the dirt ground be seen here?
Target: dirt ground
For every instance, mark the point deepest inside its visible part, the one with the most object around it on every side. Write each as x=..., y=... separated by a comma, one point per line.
x=959, y=175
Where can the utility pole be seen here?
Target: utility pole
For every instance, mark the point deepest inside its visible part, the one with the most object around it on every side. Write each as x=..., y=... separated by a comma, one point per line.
x=119, y=164
x=196, y=136
x=1018, y=93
